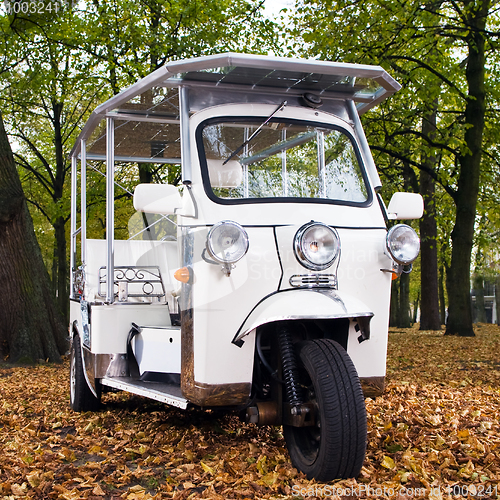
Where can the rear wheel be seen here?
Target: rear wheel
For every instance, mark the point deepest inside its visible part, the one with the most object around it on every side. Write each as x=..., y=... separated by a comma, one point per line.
x=81, y=397
x=334, y=446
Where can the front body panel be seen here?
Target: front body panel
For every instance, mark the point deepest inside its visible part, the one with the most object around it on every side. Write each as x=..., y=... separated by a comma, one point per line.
x=218, y=306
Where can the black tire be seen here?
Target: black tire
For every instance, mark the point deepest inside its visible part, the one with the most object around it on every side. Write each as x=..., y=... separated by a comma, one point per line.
x=81, y=397
x=334, y=448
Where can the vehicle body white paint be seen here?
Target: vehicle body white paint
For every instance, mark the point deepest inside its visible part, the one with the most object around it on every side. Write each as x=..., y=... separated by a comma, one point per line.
x=224, y=308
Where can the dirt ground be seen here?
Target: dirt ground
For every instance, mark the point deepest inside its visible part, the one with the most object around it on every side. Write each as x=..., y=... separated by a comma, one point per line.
x=433, y=434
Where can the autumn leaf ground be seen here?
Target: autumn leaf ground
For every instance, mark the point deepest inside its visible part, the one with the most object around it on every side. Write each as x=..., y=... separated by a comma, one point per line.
x=433, y=434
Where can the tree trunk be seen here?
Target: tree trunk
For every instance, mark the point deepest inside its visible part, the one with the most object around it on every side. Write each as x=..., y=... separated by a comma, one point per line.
x=429, y=305
x=442, y=299
x=404, y=320
x=404, y=314
x=415, y=308
x=60, y=282
x=62, y=288
x=394, y=311
x=146, y=177
x=480, y=315
x=459, y=304
x=497, y=297
x=31, y=327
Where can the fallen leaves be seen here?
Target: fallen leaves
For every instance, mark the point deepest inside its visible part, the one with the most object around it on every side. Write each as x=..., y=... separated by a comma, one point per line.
x=433, y=434
x=388, y=463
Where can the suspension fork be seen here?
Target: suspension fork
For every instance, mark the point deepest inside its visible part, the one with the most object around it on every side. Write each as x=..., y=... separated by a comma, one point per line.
x=288, y=405
x=289, y=367
x=296, y=412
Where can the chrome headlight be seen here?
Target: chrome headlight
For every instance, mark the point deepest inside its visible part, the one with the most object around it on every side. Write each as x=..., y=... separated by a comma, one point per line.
x=316, y=246
x=403, y=244
x=227, y=242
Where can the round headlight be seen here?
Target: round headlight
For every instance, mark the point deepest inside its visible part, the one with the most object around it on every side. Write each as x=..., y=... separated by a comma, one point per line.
x=227, y=242
x=403, y=244
x=316, y=246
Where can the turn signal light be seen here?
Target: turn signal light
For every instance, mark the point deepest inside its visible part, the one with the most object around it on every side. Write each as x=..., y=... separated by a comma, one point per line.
x=183, y=275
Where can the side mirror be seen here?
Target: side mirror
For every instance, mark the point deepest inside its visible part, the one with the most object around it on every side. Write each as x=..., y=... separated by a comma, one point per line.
x=405, y=206
x=157, y=198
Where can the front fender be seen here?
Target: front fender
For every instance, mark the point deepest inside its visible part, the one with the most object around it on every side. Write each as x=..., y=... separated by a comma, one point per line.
x=316, y=303
x=87, y=359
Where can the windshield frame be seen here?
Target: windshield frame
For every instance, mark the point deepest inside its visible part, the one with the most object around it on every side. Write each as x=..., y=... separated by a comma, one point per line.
x=278, y=199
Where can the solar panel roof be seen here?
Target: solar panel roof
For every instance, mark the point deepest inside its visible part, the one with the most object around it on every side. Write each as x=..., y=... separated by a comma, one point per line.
x=156, y=94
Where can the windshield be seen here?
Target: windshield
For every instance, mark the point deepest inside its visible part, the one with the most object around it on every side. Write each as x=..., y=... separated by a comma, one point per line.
x=286, y=159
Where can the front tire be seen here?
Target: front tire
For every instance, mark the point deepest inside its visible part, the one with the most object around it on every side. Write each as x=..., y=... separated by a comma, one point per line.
x=334, y=447
x=81, y=397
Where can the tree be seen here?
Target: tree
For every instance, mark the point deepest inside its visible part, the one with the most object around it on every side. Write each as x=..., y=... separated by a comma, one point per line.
x=71, y=64
x=473, y=15
x=44, y=100
x=132, y=39
x=429, y=316
x=30, y=325
x=438, y=50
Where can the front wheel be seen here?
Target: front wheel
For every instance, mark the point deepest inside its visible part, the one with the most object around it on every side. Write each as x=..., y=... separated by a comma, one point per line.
x=81, y=397
x=334, y=446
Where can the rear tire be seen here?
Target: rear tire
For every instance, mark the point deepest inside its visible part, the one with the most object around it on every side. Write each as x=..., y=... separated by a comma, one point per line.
x=334, y=447
x=81, y=397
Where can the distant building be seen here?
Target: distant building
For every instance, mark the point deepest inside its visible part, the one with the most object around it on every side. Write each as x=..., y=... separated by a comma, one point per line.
x=489, y=298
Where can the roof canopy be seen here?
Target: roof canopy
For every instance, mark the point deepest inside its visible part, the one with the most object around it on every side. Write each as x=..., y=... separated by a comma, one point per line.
x=154, y=99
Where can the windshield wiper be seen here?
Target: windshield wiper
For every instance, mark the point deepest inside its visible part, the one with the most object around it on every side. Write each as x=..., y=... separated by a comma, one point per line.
x=237, y=150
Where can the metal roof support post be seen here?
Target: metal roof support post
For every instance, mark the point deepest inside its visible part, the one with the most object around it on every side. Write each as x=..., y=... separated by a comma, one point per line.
x=246, y=135
x=83, y=200
x=72, y=257
x=365, y=148
x=284, y=173
x=321, y=163
x=110, y=209
x=185, y=142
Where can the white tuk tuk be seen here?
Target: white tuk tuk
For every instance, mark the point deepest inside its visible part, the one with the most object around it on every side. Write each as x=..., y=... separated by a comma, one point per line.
x=259, y=279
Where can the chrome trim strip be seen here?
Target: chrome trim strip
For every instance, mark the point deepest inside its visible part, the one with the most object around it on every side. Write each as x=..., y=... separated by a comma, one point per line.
x=187, y=318
x=110, y=365
x=87, y=358
x=89, y=368
x=121, y=385
x=332, y=294
x=293, y=317
x=313, y=281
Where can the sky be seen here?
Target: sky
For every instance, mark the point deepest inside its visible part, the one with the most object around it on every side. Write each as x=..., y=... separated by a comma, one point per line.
x=272, y=7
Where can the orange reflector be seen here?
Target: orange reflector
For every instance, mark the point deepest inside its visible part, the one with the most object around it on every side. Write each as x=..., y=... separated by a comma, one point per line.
x=395, y=276
x=182, y=275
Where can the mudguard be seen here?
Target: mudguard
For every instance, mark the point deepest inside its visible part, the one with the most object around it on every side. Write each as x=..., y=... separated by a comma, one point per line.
x=310, y=303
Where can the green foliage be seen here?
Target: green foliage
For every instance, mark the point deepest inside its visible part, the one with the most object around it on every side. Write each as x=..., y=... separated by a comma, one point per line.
x=429, y=48
x=58, y=66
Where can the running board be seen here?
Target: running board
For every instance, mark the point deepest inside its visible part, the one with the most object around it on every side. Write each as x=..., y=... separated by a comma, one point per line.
x=165, y=393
